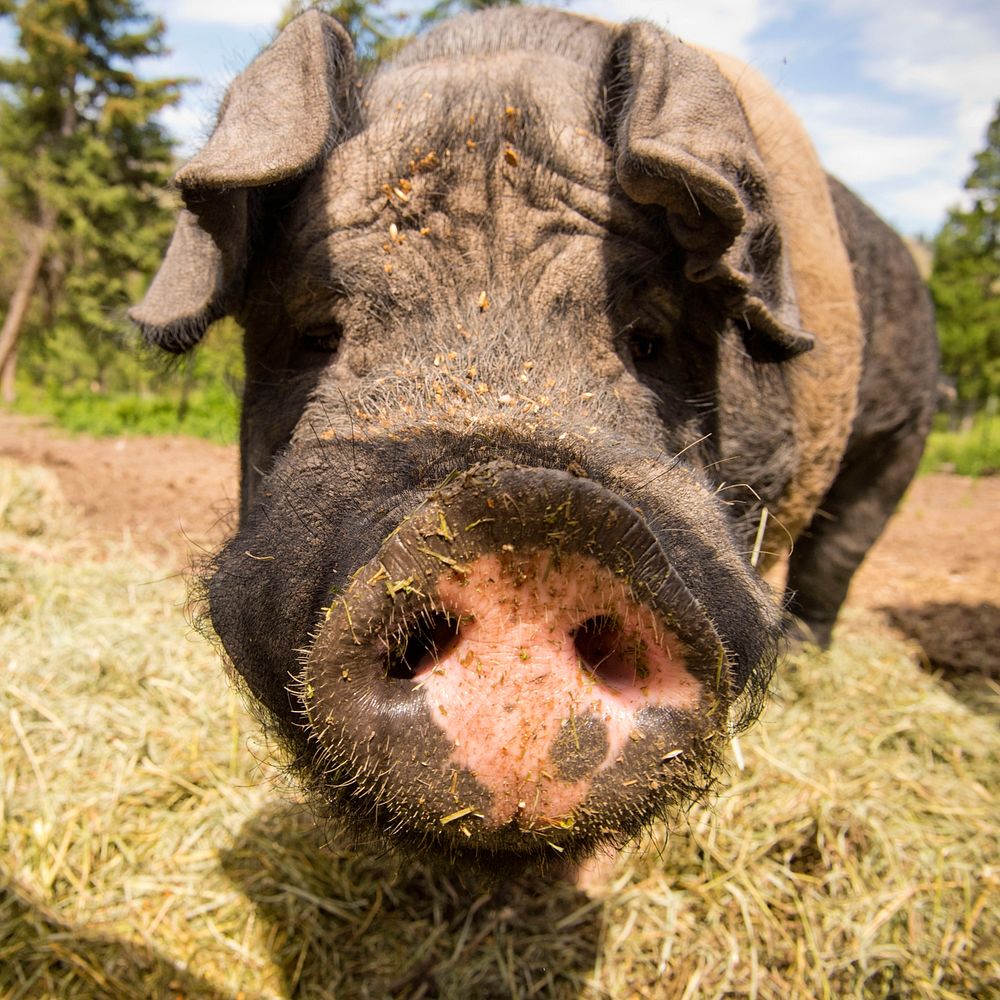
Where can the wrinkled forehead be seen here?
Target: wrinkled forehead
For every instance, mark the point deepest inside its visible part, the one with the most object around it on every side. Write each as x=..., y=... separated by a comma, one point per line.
x=485, y=179
x=451, y=119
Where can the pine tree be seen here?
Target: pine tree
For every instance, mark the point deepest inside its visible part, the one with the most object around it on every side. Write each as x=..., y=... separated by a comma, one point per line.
x=966, y=280
x=374, y=30
x=84, y=165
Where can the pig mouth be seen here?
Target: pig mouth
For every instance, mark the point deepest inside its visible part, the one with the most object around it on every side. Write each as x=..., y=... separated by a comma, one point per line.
x=519, y=673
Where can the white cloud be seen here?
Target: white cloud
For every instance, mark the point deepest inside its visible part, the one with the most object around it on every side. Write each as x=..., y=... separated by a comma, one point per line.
x=859, y=140
x=918, y=207
x=910, y=41
x=190, y=125
x=244, y=13
x=909, y=177
x=940, y=52
x=866, y=157
x=937, y=64
x=726, y=25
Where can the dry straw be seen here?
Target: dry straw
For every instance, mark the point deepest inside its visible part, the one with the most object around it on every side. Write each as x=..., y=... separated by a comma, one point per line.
x=149, y=850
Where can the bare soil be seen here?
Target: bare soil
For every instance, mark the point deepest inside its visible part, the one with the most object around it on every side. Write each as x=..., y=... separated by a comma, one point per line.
x=934, y=574
x=175, y=497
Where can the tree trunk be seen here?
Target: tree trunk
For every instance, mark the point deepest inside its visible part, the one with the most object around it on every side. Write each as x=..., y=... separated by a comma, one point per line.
x=25, y=287
x=187, y=384
x=7, y=391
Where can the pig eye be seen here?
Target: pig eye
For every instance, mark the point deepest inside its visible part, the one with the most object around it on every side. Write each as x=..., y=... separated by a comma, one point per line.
x=322, y=339
x=644, y=345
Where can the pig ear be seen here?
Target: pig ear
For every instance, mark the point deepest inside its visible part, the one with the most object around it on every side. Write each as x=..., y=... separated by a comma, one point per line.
x=279, y=119
x=282, y=113
x=682, y=141
x=200, y=275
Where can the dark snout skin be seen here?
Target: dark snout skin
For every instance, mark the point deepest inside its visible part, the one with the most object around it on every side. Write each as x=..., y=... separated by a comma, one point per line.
x=516, y=665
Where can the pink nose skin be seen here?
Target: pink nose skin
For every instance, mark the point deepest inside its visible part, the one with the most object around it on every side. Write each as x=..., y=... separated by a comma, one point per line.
x=520, y=669
x=538, y=683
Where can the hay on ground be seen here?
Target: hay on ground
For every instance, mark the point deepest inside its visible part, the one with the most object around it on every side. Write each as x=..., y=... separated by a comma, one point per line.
x=148, y=849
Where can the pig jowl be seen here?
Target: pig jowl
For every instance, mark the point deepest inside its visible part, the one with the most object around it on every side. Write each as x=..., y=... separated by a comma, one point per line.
x=521, y=666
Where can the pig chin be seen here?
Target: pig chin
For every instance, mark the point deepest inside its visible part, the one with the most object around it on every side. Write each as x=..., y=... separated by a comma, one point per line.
x=518, y=673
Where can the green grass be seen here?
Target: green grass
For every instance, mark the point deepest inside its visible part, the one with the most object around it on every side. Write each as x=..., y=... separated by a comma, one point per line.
x=211, y=412
x=972, y=451
x=122, y=387
x=148, y=848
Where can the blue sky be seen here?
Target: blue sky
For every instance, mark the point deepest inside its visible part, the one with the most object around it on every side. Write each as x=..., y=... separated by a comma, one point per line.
x=895, y=93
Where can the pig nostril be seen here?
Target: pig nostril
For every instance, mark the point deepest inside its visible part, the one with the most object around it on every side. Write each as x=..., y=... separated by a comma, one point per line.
x=596, y=640
x=425, y=644
x=607, y=653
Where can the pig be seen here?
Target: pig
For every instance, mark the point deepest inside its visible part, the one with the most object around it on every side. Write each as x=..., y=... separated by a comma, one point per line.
x=557, y=336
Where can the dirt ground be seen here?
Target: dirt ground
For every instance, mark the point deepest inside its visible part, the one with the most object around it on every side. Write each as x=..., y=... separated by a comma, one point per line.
x=173, y=496
x=934, y=574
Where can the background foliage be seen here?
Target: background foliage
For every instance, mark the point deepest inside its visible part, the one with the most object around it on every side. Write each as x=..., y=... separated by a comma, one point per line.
x=966, y=280
x=84, y=165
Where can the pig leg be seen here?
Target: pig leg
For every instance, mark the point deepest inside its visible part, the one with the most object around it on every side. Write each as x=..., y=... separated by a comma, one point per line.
x=873, y=477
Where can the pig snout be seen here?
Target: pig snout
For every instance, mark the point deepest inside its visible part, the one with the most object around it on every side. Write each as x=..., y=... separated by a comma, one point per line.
x=518, y=670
